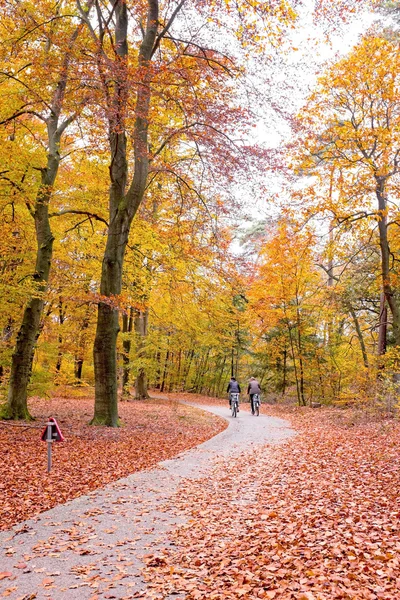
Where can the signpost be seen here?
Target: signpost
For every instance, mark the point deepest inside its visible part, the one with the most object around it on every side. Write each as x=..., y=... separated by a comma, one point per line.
x=51, y=433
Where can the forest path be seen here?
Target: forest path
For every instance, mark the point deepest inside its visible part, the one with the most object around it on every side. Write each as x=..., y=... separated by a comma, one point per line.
x=91, y=547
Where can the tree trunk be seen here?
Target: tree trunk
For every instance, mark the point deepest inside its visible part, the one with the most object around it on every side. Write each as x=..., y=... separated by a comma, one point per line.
x=158, y=371
x=294, y=365
x=382, y=336
x=360, y=335
x=201, y=382
x=284, y=372
x=22, y=358
x=61, y=319
x=141, y=320
x=164, y=372
x=5, y=340
x=187, y=368
x=301, y=368
x=127, y=324
x=219, y=387
x=80, y=352
x=123, y=204
x=388, y=290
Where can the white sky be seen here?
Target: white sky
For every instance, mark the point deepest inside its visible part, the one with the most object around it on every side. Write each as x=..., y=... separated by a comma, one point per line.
x=307, y=54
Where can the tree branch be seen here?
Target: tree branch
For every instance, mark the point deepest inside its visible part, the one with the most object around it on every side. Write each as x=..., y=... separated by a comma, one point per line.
x=68, y=211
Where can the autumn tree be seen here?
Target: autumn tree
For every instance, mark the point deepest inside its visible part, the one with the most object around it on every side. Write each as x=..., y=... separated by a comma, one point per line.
x=352, y=121
x=41, y=104
x=153, y=51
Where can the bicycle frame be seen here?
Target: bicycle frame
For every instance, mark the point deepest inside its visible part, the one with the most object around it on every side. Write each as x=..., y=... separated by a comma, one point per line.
x=256, y=404
x=234, y=403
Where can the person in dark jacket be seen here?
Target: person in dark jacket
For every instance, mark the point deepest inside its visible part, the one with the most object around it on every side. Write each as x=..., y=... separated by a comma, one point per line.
x=252, y=389
x=233, y=388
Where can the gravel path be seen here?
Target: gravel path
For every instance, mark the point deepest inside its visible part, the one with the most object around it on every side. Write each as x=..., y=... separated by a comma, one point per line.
x=90, y=548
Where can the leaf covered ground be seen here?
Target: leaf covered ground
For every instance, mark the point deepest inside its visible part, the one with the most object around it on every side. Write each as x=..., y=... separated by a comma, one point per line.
x=314, y=519
x=90, y=457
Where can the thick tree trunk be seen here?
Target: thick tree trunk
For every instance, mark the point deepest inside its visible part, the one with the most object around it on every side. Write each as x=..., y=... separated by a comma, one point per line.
x=123, y=204
x=105, y=366
x=22, y=358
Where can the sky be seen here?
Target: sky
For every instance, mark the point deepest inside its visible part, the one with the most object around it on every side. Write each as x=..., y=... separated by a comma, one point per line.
x=292, y=77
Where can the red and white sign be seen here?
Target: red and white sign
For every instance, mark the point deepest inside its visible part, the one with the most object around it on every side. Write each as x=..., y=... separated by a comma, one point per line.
x=56, y=435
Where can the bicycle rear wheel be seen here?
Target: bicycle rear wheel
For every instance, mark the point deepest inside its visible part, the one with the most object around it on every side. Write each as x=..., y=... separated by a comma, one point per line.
x=234, y=409
x=257, y=409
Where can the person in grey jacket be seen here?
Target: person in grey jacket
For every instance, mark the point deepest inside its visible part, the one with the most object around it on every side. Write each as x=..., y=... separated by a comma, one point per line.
x=233, y=388
x=252, y=389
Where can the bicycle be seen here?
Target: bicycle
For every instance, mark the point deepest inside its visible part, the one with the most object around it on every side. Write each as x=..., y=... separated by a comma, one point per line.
x=234, y=404
x=256, y=405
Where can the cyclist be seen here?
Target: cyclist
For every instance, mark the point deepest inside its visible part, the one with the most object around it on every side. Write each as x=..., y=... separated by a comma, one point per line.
x=252, y=389
x=233, y=388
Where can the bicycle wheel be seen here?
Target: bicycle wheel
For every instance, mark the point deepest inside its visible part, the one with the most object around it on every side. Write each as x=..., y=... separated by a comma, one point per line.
x=234, y=409
x=257, y=409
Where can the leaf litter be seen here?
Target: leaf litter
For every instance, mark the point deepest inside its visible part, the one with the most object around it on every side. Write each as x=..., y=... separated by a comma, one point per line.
x=316, y=518
x=90, y=457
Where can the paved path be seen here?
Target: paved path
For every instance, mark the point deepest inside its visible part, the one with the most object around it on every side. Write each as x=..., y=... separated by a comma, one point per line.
x=90, y=548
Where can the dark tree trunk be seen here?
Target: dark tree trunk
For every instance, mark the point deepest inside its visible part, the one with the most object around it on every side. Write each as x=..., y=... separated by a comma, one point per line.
x=22, y=358
x=158, y=371
x=141, y=320
x=360, y=334
x=300, y=346
x=284, y=372
x=187, y=368
x=123, y=204
x=164, y=372
x=6, y=338
x=382, y=332
x=219, y=387
x=61, y=319
x=199, y=370
x=78, y=366
x=80, y=352
x=127, y=324
x=170, y=371
x=203, y=371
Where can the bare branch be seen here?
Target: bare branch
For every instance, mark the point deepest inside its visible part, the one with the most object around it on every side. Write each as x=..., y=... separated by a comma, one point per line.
x=68, y=211
x=164, y=31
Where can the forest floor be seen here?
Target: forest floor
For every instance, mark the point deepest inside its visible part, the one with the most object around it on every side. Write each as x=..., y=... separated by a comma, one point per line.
x=324, y=522
x=90, y=457
x=316, y=517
